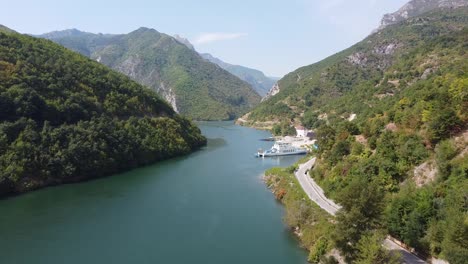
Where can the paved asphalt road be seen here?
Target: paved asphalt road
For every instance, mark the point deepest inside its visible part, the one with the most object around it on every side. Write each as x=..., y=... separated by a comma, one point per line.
x=316, y=194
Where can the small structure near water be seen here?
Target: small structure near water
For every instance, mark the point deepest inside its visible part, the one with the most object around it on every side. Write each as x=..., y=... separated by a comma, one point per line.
x=302, y=132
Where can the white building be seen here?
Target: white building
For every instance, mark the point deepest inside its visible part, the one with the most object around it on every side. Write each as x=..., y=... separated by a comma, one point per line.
x=301, y=131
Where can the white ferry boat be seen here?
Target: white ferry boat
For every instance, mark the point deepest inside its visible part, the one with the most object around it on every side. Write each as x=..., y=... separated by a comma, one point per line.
x=281, y=149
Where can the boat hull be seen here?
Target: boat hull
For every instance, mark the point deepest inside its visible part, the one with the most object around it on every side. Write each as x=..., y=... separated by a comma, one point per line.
x=262, y=155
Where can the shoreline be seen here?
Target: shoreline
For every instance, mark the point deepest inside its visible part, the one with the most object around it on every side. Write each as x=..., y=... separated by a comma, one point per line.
x=306, y=220
x=31, y=185
x=282, y=181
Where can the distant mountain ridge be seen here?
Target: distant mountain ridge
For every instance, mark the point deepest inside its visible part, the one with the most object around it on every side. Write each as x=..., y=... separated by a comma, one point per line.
x=259, y=81
x=73, y=32
x=194, y=87
x=418, y=7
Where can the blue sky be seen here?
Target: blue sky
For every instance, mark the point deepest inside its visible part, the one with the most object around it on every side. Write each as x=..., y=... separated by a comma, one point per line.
x=270, y=35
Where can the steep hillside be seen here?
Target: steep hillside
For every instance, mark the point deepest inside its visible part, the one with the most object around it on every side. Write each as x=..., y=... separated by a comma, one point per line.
x=65, y=118
x=257, y=79
x=390, y=116
x=193, y=86
x=6, y=29
x=261, y=83
x=419, y=7
x=373, y=72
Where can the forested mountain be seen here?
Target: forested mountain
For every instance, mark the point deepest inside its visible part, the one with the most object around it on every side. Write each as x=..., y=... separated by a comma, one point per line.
x=66, y=118
x=64, y=33
x=261, y=83
x=371, y=73
x=390, y=115
x=257, y=79
x=194, y=87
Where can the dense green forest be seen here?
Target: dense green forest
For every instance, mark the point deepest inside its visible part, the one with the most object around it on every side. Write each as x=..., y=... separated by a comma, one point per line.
x=195, y=87
x=65, y=118
x=400, y=167
x=317, y=230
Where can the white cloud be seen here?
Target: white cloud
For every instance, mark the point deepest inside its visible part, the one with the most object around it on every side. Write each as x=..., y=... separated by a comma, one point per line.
x=212, y=37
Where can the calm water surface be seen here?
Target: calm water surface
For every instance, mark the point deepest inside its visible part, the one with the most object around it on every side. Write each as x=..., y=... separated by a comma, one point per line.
x=208, y=207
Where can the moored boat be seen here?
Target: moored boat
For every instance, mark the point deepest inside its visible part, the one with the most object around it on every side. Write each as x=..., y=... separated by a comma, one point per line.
x=281, y=149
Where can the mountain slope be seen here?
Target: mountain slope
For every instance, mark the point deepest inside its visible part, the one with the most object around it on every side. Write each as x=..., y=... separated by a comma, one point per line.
x=419, y=7
x=65, y=118
x=261, y=83
x=257, y=79
x=64, y=33
x=184, y=41
x=193, y=86
x=374, y=70
x=390, y=117
x=6, y=29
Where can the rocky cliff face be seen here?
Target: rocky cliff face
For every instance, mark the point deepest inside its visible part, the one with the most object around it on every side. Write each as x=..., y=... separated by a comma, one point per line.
x=184, y=41
x=418, y=7
x=274, y=90
x=132, y=68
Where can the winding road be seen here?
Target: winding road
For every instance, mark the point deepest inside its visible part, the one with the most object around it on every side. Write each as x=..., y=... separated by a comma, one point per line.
x=315, y=193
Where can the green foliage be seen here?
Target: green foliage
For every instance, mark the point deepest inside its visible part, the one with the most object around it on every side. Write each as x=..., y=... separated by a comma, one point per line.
x=339, y=150
x=202, y=90
x=318, y=250
x=371, y=251
x=302, y=215
x=445, y=151
x=283, y=129
x=310, y=120
x=433, y=218
x=279, y=110
x=409, y=103
x=325, y=136
x=66, y=118
x=362, y=206
x=420, y=85
x=408, y=213
x=443, y=124
x=447, y=234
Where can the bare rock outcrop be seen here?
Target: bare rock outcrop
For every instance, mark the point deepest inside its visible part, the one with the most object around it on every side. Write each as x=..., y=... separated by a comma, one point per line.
x=273, y=91
x=418, y=7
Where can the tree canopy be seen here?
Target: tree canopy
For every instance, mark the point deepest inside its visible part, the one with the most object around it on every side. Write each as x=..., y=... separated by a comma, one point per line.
x=65, y=118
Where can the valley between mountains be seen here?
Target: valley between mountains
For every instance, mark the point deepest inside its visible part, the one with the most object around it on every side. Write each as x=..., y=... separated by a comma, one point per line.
x=387, y=116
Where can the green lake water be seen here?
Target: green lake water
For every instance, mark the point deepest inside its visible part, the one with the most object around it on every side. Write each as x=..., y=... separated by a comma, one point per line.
x=207, y=207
